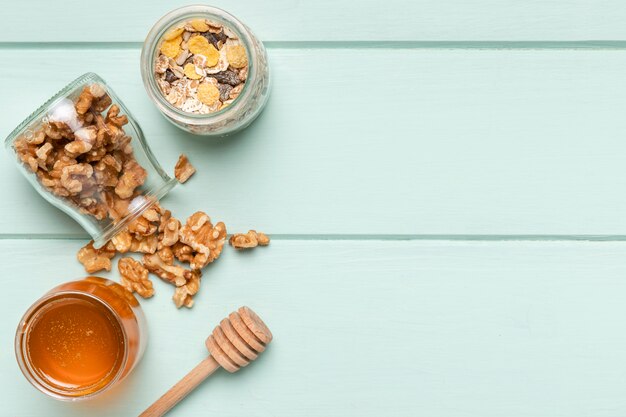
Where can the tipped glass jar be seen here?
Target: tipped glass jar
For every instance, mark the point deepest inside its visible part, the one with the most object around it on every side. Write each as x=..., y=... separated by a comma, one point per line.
x=83, y=152
x=205, y=70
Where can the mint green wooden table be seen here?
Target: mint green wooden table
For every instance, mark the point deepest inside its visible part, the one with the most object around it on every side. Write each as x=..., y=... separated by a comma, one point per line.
x=443, y=181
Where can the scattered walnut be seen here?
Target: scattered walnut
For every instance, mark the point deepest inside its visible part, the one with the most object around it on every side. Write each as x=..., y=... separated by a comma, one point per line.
x=183, y=295
x=134, y=277
x=96, y=259
x=248, y=240
x=145, y=244
x=183, y=169
x=182, y=252
x=173, y=274
x=170, y=232
x=203, y=237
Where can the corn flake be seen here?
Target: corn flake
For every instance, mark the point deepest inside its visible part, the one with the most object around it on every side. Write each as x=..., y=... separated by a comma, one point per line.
x=190, y=72
x=200, y=25
x=208, y=93
x=236, y=55
x=172, y=34
x=171, y=48
x=198, y=45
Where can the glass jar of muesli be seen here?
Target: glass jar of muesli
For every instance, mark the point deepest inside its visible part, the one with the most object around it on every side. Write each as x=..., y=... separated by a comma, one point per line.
x=205, y=70
x=83, y=152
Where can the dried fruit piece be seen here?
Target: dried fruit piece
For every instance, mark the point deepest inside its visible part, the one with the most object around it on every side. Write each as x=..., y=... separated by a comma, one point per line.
x=134, y=277
x=183, y=169
x=227, y=77
x=208, y=93
x=236, y=55
x=225, y=90
x=171, y=48
x=95, y=260
x=191, y=71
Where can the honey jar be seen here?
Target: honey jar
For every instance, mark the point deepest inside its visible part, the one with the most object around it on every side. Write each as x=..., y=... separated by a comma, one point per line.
x=81, y=338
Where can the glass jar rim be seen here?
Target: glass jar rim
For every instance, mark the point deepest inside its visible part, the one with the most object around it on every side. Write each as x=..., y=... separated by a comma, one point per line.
x=25, y=365
x=151, y=44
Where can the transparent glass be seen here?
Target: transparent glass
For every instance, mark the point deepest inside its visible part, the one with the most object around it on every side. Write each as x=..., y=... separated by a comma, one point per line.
x=119, y=305
x=98, y=208
x=244, y=109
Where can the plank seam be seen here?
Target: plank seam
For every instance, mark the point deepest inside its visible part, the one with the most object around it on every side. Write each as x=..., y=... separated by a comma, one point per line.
x=533, y=45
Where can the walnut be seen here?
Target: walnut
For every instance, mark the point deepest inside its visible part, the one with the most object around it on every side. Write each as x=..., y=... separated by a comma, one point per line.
x=166, y=255
x=203, y=237
x=106, y=171
x=173, y=274
x=102, y=103
x=96, y=259
x=144, y=244
x=122, y=241
x=117, y=207
x=248, y=240
x=142, y=227
x=114, y=118
x=97, y=90
x=84, y=139
x=73, y=177
x=182, y=252
x=133, y=176
x=134, y=277
x=77, y=147
x=83, y=104
x=170, y=232
x=183, y=295
x=152, y=215
x=57, y=130
x=183, y=169
x=44, y=151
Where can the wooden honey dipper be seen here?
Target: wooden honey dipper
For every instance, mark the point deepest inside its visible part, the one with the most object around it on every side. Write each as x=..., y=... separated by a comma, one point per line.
x=233, y=344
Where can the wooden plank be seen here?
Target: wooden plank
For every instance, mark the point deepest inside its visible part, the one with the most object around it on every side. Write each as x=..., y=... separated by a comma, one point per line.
x=327, y=20
x=465, y=142
x=369, y=328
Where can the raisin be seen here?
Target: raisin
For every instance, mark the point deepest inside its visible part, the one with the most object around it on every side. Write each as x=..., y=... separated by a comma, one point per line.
x=221, y=36
x=224, y=91
x=211, y=38
x=227, y=77
x=169, y=76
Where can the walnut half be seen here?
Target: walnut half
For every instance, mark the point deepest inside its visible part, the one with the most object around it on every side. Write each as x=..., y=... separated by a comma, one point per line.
x=249, y=240
x=134, y=277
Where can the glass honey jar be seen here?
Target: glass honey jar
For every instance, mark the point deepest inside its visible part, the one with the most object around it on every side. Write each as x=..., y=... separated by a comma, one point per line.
x=81, y=338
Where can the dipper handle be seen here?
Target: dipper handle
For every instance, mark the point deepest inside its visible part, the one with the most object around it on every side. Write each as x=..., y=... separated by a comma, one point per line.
x=183, y=387
x=234, y=343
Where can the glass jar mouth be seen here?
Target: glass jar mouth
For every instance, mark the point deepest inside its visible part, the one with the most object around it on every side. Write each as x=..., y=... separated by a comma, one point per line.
x=32, y=376
x=150, y=48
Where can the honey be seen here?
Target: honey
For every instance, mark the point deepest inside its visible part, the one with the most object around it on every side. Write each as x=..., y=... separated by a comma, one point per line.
x=75, y=344
x=81, y=338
